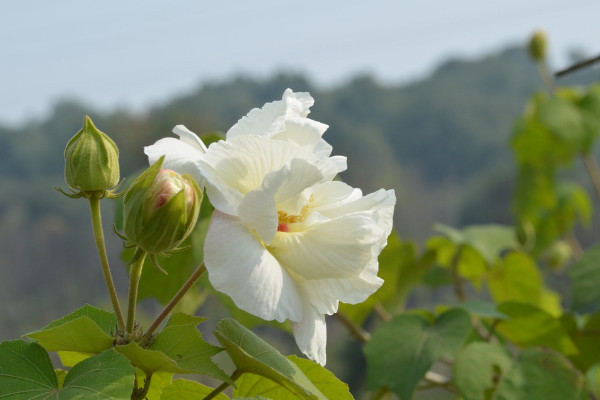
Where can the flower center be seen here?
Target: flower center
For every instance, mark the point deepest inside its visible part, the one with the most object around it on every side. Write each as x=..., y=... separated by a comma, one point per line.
x=285, y=219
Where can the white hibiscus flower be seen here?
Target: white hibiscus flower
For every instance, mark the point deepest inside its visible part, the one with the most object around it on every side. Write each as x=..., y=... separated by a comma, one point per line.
x=285, y=240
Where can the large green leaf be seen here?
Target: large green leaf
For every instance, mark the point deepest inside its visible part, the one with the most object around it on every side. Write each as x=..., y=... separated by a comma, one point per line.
x=178, y=348
x=402, y=350
x=331, y=387
x=531, y=326
x=487, y=240
x=27, y=373
x=516, y=278
x=87, y=330
x=182, y=389
x=250, y=354
x=586, y=339
x=541, y=374
x=479, y=367
x=585, y=281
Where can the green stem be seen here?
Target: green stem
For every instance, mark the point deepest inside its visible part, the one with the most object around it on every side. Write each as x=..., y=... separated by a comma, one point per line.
x=593, y=171
x=99, y=237
x=169, y=307
x=458, y=283
x=134, y=279
x=140, y=393
x=236, y=374
x=356, y=331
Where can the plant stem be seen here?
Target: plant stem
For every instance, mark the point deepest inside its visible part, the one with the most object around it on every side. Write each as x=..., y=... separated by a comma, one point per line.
x=382, y=312
x=458, y=283
x=546, y=76
x=99, y=237
x=135, y=273
x=140, y=394
x=236, y=374
x=354, y=329
x=169, y=307
x=578, y=66
x=593, y=171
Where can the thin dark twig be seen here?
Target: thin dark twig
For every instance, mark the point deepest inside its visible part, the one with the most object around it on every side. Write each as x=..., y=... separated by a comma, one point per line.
x=576, y=67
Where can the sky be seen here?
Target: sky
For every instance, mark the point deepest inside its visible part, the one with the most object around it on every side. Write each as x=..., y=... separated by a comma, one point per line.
x=137, y=53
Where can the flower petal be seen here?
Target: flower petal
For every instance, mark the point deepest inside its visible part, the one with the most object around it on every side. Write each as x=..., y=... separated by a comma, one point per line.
x=322, y=249
x=239, y=266
x=239, y=165
x=271, y=118
x=311, y=335
x=325, y=294
x=181, y=155
x=284, y=187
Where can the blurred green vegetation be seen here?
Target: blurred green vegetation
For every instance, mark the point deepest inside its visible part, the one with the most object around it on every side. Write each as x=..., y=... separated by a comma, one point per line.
x=441, y=142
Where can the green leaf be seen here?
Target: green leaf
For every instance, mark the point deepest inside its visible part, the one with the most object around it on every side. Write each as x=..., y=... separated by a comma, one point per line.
x=541, y=374
x=586, y=339
x=487, y=240
x=482, y=309
x=87, y=330
x=516, y=278
x=182, y=389
x=183, y=348
x=251, y=354
x=478, y=368
x=26, y=373
x=585, y=281
x=531, y=326
x=105, y=375
x=403, y=349
x=331, y=387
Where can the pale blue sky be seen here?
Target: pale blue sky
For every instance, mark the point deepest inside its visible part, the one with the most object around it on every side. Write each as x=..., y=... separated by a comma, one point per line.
x=135, y=53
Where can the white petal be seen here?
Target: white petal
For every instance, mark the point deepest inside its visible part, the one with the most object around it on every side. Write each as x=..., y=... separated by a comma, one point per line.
x=271, y=118
x=325, y=294
x=239, y=266
x=190, y=138
x=257, y=209
x=240, y=165
x=302, y=132
x=333, y=200
x=179, y=156
x=311, y=335
x=336, y=248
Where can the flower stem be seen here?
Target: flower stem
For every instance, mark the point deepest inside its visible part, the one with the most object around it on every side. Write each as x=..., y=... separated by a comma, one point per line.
x=99, y=237
x=169, y=307
x=134, y=280
x=356, y=331
x=236, y=374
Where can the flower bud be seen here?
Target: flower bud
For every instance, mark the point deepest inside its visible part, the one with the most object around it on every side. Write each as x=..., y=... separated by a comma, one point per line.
x=537, y=46
x=160, y=209
x=91, y=160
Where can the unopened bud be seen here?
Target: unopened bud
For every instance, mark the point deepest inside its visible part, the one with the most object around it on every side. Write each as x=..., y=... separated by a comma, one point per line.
x=160, y=209
x=537, y=46
x=91, y=160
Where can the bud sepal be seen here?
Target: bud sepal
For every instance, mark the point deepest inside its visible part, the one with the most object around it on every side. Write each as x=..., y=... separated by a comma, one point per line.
x=160, y=210
x=91, y=163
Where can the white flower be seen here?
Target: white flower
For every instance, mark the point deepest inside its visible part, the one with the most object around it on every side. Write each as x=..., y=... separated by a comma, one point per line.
x=285, y=240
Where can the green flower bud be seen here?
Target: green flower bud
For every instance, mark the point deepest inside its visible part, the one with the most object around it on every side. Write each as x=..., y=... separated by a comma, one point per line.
x=160, y=209
x=91, y=160
x=558, y=255
x=537, y=46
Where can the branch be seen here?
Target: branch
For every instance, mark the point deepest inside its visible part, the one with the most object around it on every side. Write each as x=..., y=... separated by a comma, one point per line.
x=576, y=67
